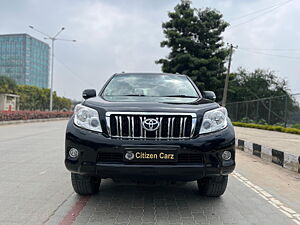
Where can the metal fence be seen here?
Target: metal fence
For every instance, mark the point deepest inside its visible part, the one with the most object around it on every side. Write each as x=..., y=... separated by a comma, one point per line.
x=280, y=110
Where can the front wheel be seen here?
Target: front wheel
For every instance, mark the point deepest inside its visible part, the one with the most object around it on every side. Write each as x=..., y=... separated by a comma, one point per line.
x=212, y=186
x=85, y=185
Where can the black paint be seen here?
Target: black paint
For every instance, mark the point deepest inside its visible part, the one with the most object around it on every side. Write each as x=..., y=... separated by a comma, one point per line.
x=257, y=150
x=241, y=144
x=277, y=157
x=299, y=164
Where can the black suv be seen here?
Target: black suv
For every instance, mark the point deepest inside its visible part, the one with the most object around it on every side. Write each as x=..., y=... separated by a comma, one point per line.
x=150, y=127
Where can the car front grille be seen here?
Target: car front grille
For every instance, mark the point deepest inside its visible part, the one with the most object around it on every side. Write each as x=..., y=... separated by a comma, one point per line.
x=130, y=125
x=116, y=157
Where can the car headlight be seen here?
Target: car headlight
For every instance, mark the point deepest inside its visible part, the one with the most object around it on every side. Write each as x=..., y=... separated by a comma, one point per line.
x=214, y=120
x=87, y=118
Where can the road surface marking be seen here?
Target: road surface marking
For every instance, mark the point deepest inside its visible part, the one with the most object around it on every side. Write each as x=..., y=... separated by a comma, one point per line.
x=43, y=172
x=290, y=213
x=75, y=211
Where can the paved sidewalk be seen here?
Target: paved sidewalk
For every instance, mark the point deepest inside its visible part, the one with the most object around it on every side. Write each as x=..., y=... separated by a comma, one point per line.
x=289, y=143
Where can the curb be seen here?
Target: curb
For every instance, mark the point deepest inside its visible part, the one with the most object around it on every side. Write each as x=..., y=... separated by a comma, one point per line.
x=284, y=159
x=31, y=121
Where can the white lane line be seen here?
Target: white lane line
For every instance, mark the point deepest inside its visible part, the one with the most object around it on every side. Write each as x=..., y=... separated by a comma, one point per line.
x=43, y=172
x=296, y=221
x=290, y=213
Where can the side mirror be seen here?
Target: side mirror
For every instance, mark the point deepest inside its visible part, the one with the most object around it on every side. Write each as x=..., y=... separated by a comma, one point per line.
x=89, y=93
x=209, y=95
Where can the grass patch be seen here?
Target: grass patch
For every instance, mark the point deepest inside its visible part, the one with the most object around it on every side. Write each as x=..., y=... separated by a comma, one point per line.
x=268, y=127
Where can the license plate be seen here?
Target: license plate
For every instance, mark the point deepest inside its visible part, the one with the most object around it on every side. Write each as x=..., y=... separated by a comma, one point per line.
x=150, y=156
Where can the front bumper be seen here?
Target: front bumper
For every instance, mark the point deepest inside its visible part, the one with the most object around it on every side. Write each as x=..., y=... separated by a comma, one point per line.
x=90, y=145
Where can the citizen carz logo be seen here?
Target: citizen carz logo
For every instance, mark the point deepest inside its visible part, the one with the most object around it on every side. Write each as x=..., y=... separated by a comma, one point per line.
x=129, y=155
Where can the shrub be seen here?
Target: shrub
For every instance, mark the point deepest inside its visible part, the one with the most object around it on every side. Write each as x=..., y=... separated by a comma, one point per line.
x=262, y=121
x=246, y=120
x=297, y=125
x=29, y=115
x=268, y=127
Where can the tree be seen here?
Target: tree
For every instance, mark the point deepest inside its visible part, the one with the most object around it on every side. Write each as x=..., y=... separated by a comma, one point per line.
x=7, y=85
x=34, y=98
x=259, y=96
x=261, y=83
x=197, y=49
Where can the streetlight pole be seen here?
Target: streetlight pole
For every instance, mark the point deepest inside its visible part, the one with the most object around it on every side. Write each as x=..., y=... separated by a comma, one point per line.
x=227, y=75
x=51, y=75
x=53, y=39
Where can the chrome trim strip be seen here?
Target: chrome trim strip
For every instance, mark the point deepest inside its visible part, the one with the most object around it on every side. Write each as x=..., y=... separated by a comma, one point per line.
x=153, y=114
x=159, y=132
x=150, y=138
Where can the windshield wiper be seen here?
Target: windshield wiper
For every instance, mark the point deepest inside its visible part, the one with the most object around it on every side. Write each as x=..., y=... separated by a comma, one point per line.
x=135, y=95
x=180, y=96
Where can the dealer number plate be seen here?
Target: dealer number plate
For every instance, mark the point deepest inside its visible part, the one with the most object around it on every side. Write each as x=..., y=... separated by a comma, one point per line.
x=150, y=156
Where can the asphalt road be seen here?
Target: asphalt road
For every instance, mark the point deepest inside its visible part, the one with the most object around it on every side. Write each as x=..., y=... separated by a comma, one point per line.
x=35, y=188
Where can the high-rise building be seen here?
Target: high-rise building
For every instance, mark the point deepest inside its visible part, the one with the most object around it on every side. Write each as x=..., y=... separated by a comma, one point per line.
x=25, y=59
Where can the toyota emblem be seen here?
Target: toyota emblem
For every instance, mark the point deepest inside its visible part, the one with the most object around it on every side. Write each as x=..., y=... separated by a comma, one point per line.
x=151, y=124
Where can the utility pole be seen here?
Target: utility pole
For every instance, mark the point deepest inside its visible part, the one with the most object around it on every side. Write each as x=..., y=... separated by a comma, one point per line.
x=53, y=39
x=227, y=75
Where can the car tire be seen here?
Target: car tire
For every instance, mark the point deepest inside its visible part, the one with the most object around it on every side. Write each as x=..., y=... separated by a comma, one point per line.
x=85, y=185
x=212, y=186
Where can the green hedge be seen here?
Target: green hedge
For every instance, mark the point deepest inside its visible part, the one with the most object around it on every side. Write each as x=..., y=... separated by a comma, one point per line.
x=267, y=127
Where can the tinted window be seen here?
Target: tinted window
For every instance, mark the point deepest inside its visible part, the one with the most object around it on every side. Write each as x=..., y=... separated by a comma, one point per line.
x=150, y=85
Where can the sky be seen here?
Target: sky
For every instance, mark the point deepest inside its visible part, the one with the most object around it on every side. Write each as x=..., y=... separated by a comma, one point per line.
x=124, y=36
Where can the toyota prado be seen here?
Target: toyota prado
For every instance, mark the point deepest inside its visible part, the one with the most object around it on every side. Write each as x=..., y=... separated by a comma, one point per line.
x=150, y=127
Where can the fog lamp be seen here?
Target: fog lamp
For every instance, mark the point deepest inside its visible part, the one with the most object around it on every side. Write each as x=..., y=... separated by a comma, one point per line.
x=73, y=153
x=226, y=155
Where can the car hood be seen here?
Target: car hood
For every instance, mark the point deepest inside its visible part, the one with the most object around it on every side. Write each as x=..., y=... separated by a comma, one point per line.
x=150, y=104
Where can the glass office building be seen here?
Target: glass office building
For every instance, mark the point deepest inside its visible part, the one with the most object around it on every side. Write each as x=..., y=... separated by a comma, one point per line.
x=25, y=59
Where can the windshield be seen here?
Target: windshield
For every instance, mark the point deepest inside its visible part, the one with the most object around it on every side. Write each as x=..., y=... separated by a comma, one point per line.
x=151, y=86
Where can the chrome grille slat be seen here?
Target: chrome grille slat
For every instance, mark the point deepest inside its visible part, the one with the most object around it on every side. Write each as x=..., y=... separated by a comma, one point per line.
x=129, y=122
x=194, y=121
x=141, y=126
x=156, y=132
x=184, y=125
x=132, y=126
x=180, y=127
x=117, y=122
x=169, y=126
x=160, y=127
x=108, y=126
x=173, y=126
x=120, y=122
x=145, y=132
